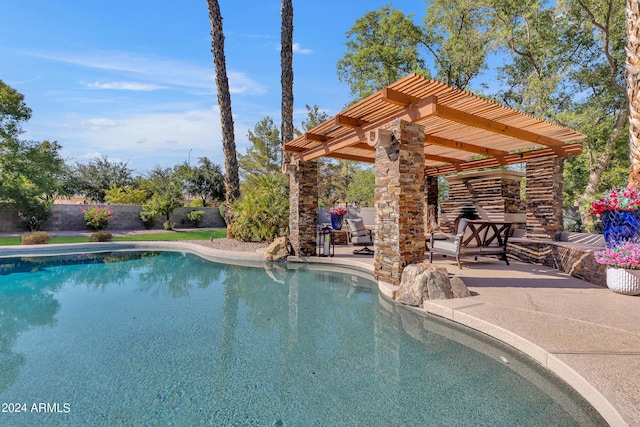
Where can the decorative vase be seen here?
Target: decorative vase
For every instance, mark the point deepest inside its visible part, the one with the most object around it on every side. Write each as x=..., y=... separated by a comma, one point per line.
x=336, y=221
x=623, y=281
x=620, y=226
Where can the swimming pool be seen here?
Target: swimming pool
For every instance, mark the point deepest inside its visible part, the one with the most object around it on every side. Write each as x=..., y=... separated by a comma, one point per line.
x=173, y=339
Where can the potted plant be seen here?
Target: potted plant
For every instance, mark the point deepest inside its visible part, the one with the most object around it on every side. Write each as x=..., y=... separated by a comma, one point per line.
x=620, y=213
x=337, y=212
x=623, y=267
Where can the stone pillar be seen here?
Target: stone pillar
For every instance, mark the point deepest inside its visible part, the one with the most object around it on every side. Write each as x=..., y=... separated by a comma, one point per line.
x=303, y=207
x=544, y=198
x=399, y=202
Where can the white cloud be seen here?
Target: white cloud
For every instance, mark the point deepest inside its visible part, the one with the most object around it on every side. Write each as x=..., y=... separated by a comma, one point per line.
x=301, y=50
x=99, y=123
x=154, y=72
x=147, y=139
x=141, y=87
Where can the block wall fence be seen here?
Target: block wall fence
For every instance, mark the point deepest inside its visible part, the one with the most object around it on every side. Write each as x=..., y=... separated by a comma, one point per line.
x=70, y=218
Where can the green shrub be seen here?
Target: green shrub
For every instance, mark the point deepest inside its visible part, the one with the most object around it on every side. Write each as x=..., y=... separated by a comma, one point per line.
x=195, y=217
x=147, y=218
x=168, y=225
x=97, y=217
x=262, y=213
x=101, y=236
x=34, y=212
x=37, y=238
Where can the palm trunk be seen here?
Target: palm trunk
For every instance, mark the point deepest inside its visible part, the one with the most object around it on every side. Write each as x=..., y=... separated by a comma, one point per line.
x=633, y=89
x=231, y=180
x=286, y=80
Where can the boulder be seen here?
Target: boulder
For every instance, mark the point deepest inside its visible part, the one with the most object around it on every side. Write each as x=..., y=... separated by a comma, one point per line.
x=424, y=281
x=277, y=250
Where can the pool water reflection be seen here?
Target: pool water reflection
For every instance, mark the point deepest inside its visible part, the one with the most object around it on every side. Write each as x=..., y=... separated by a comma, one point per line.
x=170, y=338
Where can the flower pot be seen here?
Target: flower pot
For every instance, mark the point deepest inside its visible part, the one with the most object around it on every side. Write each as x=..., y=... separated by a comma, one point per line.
x=336, y=222
x=621, y=226
x=623, y=281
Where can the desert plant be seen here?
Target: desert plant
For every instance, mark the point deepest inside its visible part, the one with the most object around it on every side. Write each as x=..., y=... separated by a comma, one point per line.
x=168, y=225
x=101, y=236
x=262, y=213
x=97, y=217
x=37, y=238
x=195, y=217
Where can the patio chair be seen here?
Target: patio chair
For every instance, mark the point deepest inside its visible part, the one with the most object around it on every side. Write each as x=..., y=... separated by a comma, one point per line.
x=357, y=235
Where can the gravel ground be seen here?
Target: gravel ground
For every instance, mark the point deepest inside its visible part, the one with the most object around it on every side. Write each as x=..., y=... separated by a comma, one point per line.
x=231, y=245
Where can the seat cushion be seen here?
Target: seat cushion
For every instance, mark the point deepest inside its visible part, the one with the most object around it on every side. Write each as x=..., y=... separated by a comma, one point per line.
x=445, y=245
x=357, y=228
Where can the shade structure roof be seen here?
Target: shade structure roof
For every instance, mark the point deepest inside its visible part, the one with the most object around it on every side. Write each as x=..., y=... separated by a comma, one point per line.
x=462, y=130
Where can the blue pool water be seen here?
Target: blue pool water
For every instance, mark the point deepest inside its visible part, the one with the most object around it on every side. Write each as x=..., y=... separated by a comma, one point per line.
x=173, y=339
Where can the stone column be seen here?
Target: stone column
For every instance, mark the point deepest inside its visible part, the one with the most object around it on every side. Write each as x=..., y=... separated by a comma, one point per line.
x=303, y=207
x=544, y=198
x=399, y=201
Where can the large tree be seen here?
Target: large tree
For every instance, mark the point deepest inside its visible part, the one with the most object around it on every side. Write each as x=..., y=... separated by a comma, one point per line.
x=231, y=179
x=13, y=111
x=32, y=173
x=205, y=181
x=633, y=88
x=264, y=155
x=93, y=179
x=286, y=80
x=381, y=47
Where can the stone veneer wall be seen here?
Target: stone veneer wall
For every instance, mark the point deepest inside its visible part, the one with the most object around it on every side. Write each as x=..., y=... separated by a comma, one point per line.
x=431, y=200
x=303, y=207
x=399, y=202
x=496, y=192
x=575, y=260
x=70, y=218
x=544, y=198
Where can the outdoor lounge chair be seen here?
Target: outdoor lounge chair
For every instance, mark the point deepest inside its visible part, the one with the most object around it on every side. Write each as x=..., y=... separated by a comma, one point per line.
x=473, y=238
x=357, y=235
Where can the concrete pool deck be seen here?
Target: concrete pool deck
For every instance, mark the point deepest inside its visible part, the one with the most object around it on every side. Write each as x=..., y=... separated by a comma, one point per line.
x=586, y=334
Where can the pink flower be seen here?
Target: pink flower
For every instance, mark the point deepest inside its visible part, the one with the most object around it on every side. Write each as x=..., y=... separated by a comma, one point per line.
x=625, y=255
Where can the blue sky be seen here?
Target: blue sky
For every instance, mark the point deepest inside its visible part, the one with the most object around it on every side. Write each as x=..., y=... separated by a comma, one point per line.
x=134, y=80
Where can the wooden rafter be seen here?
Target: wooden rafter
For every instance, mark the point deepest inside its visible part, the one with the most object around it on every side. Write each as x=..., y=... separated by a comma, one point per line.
x=420, y=110
x=493, y=126
x=511, y=159
x=463, y=146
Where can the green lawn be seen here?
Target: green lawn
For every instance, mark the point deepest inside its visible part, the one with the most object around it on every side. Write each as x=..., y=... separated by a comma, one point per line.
x=176, y=235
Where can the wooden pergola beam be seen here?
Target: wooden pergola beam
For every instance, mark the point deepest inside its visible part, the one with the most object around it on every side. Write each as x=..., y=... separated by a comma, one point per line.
x=350, y=122
x=443, y=159
x=510, y=159
x=398, y=98
x=316, y=137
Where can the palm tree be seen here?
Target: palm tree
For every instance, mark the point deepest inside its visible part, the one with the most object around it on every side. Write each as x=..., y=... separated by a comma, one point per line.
x=633, y=89
x=231, y=180
x=286, y=80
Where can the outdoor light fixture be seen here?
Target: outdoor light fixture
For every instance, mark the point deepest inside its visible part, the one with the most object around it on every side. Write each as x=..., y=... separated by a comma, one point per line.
x=380, y=138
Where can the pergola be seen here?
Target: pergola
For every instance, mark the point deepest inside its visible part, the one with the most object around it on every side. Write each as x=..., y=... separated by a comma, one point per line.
x=414, y=130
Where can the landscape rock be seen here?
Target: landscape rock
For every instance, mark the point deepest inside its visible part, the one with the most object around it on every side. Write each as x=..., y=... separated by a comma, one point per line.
x=277, y=250
x=424, y=281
